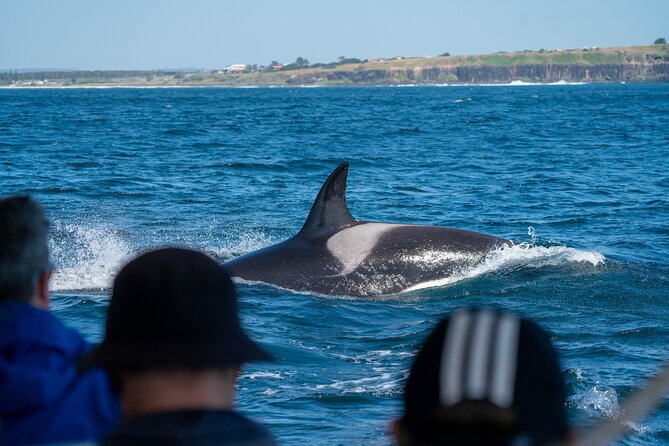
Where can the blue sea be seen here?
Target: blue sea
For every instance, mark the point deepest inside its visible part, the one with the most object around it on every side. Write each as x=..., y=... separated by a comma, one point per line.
x=576, y=175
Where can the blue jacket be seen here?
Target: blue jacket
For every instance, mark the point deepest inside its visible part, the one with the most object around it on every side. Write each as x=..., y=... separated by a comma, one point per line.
x=44, y=399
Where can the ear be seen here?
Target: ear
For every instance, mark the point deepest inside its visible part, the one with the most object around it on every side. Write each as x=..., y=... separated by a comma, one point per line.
x=41, y=293
x=399, y=432
x=570, y=438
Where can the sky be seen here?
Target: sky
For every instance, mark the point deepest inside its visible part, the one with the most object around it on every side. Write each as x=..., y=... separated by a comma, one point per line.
x=211, y=34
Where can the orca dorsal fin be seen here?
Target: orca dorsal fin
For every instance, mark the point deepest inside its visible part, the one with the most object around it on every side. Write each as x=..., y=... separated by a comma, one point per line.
x=329, y=211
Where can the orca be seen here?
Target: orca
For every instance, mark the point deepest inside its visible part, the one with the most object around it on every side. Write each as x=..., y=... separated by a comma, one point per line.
x=335, y=254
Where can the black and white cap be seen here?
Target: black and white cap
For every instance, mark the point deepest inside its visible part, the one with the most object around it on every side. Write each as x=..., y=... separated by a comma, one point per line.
x=486, y=376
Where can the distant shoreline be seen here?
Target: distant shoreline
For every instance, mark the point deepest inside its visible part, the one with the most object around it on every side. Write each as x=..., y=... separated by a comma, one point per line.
x=635, y=64
x=249, y=87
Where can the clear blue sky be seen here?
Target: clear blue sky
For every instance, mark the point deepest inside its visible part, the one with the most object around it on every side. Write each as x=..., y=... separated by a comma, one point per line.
x=150, y=34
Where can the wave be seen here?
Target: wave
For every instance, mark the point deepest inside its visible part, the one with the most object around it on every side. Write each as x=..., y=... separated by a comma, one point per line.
x=385, y=380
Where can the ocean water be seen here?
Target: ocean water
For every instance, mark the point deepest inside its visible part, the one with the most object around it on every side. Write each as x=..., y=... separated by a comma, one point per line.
x=576, y=175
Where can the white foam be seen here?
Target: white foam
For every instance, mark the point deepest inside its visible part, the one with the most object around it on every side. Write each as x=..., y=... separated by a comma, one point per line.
x=527, y=254
x=382, y=383
x=519, y=83
x=523, y=254
x=381, y=352
x=86, y=257
x=515, y=83
x=256, y=375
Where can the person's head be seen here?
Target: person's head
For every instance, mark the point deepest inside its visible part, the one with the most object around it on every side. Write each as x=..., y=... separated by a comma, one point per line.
x=24, y=252
x=173, y=333
x=484, y=377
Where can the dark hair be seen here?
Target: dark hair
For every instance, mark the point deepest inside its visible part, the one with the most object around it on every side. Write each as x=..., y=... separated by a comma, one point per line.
x=24, y=252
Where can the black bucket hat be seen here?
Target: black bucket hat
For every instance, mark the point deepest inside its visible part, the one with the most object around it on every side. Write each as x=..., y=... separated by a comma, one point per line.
x=173, y=308
x=486, y=377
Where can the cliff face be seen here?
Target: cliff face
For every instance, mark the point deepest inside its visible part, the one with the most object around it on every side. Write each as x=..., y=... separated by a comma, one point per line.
x=637, y=69
x=568, y=73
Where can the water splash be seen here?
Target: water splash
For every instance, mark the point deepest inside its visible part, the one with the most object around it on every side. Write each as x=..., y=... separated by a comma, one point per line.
x=85, y=256
x=239, y=243
x=531, y=256
x=523, y=255
x=599, y=400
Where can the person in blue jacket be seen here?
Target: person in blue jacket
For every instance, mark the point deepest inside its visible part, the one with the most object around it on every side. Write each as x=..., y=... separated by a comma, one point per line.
x=44, y=398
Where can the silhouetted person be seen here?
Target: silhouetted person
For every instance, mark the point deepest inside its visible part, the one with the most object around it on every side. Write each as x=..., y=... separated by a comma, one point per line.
x=484, y=377
x=44, y=399
x=174, y=342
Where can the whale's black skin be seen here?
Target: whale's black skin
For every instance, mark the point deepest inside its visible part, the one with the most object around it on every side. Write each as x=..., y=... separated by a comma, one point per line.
x=338, y=255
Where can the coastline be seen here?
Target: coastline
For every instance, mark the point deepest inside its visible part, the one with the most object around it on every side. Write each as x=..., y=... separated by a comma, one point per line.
x=637, y=64
x=149, y=87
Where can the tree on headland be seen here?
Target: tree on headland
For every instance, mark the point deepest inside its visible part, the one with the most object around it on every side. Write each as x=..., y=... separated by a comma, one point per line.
x=300, y=62
x=660, y=41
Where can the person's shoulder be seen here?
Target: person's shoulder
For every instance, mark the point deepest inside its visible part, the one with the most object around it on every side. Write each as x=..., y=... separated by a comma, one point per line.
x=24, y=321
x=194, y=428
x=236, y=422
x=34, y=328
